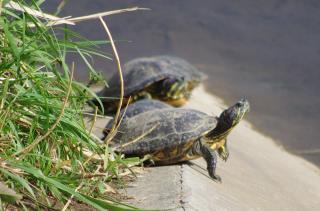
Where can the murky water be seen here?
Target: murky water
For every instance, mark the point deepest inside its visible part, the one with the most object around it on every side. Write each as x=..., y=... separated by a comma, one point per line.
x=268, y=51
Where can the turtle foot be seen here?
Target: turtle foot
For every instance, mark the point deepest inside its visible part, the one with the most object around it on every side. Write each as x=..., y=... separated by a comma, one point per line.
x=147, y=160
x=216, y=178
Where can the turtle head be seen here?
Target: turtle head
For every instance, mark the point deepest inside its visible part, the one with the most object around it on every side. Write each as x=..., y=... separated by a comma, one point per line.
x=228, y=119
x=174, y=90
x=232, y=116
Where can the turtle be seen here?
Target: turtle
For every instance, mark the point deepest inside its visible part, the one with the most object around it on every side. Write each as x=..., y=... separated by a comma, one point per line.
x=166, y=78
x=173, y=135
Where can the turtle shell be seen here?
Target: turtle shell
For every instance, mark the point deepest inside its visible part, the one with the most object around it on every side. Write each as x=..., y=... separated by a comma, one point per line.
x=137, y=108
x=143, y=106
x=142, y=72
x=160, y=130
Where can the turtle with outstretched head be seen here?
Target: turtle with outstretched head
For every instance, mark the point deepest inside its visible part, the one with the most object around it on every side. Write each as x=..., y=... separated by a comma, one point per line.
x=171, y=135
x=166, y=78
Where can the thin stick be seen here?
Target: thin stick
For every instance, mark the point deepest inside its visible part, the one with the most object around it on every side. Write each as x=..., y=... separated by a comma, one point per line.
x=139, y=137
x=115, y=130
x=18, y=7
x=65, y=207
x=95, y=16
x=98, y=115
x=40, y=138
x=115, y=52
x=102, y=14
x=94, y=120
x=54, y=20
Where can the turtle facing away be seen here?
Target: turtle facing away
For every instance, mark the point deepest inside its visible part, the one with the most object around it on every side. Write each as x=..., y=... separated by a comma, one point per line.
x=172, y=135
x=167, y=78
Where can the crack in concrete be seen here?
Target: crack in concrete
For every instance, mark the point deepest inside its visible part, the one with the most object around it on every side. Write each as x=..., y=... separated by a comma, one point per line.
x=181, y=197
x=184, y=192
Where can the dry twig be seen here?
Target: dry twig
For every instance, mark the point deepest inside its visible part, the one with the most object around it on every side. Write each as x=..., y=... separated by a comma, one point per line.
x=115, y=52
x=36, y=13
x=102, y=14
x=54, y=20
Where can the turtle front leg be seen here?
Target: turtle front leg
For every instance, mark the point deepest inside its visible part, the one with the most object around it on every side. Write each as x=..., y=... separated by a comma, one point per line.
x=148, y=158
x=211, y=158
x=223, y=151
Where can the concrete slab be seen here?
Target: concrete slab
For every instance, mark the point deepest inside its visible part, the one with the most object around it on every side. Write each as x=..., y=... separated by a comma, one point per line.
x=158, y=188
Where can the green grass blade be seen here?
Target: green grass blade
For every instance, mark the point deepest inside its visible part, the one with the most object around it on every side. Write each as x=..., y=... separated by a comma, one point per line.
x=8, y=195
x=20, y=180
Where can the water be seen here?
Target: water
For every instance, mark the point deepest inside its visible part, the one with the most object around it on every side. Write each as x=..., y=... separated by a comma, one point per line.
x=268, y=51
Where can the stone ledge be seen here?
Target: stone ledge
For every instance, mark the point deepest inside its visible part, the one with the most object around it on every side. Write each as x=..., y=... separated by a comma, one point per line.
x=258, y=176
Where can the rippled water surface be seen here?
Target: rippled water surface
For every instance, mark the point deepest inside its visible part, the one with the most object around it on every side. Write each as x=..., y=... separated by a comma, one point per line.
x=268, y=51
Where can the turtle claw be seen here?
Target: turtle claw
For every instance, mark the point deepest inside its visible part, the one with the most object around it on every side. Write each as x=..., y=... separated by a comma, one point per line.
x=223, y=152
x=148, y=159
x=216, y=178
x=150, y=162
x=225, y=158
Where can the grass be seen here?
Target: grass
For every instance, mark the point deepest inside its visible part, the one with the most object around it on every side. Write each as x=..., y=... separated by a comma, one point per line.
x=46, y=153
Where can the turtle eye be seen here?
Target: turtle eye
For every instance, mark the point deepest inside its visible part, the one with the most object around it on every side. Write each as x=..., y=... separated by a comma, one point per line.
x=239, y=104
x=168, y=82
